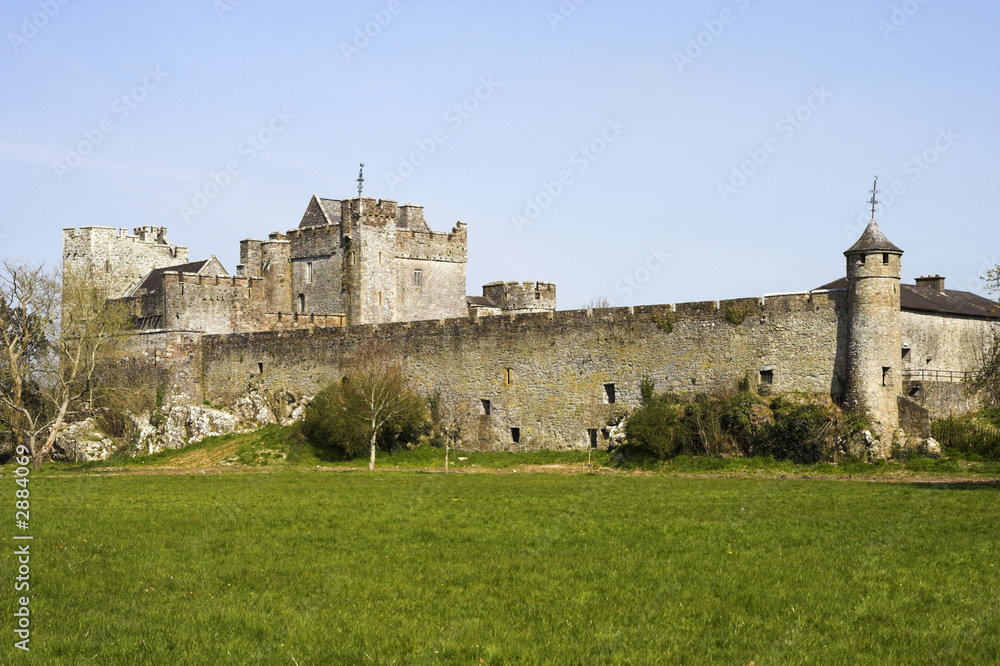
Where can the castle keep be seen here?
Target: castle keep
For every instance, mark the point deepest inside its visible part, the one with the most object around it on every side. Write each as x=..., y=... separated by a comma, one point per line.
x=525, y=375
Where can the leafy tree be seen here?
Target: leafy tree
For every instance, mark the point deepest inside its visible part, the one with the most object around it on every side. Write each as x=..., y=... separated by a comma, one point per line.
x=659, y=426
x=54, y=338
x=372, y=407
x=985, y=379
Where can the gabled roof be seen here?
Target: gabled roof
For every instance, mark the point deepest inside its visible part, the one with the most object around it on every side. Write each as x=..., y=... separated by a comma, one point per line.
x=154, y=279
x=321, y=212
x=873, y=240
x=915, y=298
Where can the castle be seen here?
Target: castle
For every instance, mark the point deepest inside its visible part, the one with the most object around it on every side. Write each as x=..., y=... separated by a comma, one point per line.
x=526, y=375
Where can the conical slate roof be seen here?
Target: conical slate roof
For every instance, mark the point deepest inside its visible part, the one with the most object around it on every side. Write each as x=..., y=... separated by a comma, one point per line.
x=873, y=240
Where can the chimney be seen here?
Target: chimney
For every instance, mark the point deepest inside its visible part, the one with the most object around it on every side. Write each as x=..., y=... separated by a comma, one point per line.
x=935, y=282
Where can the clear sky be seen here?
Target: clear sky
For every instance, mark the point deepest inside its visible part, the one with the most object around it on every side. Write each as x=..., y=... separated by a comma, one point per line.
x=699, y=150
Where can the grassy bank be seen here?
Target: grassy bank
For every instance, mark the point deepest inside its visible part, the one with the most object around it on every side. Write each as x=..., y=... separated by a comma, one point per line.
x=311, y=567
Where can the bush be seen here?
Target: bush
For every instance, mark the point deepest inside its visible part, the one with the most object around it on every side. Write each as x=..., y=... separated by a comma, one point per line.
x=658, y=427
x=799, y=432
x=336, y=417
x=977, y=434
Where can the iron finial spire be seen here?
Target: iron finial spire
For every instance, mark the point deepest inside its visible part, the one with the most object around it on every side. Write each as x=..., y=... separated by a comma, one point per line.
x=361, y=178
x=873, y=200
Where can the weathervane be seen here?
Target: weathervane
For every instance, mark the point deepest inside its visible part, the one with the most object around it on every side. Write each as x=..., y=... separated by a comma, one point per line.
x=873, y=200
x=361, y=178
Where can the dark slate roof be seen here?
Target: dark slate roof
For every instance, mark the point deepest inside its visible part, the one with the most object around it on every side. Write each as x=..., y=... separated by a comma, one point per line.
x=321, y=212
x=929, y=299
x=481, y=301
x=873, y=240
x=154, y=280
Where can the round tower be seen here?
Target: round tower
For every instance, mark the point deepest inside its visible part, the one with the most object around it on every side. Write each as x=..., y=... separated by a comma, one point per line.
x=874, y=340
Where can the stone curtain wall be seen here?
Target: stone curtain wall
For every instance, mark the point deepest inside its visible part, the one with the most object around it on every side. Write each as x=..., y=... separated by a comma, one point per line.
x=117, y=259
x=951, y=342
x=213, y=304
x=559, y=362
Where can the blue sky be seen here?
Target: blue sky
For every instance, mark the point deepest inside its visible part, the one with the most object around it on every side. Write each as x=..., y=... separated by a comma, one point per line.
x=648, y=152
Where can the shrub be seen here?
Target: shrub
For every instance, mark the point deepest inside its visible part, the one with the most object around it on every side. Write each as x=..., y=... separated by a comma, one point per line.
x=658, y=426
x=745, y=419
x=336, y=417
x=799, y=432
x=977, y=434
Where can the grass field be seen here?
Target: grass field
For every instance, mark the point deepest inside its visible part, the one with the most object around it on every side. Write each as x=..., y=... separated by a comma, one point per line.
x=312, y=567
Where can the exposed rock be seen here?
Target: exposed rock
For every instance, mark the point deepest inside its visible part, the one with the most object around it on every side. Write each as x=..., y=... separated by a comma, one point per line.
x=81, y=441
x=190, y=424
x=280, y=406
x=930, y=447
x=616, y=435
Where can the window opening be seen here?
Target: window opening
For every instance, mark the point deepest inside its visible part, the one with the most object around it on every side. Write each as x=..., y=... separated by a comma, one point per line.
x=418, y=278
x=885, y=257
x=508, y=376
x=593, y=437
x=767, y=376
x=260, y=368
x=885, y=375
x=515, y=435
x=486, y=407
x=609, y=390
x=309, y=272
x=302, y=302
x=906, y=353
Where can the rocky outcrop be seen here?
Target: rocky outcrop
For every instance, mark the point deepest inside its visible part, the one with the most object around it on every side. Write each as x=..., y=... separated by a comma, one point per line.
x=81, y=441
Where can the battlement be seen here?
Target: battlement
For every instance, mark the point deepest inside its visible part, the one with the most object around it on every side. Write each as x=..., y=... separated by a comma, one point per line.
x=117, y=259
x=515, y=297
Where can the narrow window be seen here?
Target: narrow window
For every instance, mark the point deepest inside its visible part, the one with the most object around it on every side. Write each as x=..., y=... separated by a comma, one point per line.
x=609, y=390
x=418, y=278
x=486, y=407
x=381, y=299
x=767, y=376
x=380, y=258
x=508, y=376
x=309, y=272
x=515, y=435
x=862, y=258
x=302, y=302
x=885, y=376
x=906, y=353
x=538, y=295
x=260, y=368
x=885, y=257
x=593, y=437
x=107, y=266
x=914, y=391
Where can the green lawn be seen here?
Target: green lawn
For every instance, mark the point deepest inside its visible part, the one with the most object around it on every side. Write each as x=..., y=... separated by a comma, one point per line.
x=309, y=567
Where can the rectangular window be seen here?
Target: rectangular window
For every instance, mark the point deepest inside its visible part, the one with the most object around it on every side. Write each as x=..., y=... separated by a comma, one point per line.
x=515, y=435
x=302, y=302
x=886, y=377
x=593, y=437
x=418, y=278
x=862, y=258
x=609, y=392
x=486, y=407
x=767, y=376
x=260, y=368
x=309, y=272
x=885, y=257
x=906, y=353
x=538, y=295
x=381, y=299
x=508, y=376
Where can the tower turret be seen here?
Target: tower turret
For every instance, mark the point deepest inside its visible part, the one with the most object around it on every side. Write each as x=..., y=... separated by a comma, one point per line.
x=874, y=339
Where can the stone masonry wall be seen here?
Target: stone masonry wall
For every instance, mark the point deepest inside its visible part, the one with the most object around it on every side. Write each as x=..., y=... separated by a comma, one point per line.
x=548, y=373
x=116, y=258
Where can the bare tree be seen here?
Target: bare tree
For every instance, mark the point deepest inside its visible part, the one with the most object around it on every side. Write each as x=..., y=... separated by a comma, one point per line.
x=595, y=303
x=54, y=340
x=378, y=377
x=454, y=421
